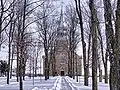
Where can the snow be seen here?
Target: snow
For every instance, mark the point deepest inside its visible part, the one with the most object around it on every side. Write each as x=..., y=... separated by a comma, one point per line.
x=28, y=83
x=57, y=85
x=54, y=83
x=80, y=85
x=35, y=88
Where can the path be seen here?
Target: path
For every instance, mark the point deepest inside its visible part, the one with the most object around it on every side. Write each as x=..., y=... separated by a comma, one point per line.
x=66, y=85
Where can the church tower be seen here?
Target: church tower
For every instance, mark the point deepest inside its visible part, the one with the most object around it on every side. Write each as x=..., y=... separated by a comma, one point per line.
x=62, y=49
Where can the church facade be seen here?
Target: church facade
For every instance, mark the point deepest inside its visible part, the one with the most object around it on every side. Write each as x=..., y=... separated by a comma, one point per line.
x=62, y=56
x=62, y=53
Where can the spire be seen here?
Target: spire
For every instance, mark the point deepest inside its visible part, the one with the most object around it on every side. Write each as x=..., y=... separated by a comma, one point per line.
x=60, y=32
x=61, y=14
x=60, y=22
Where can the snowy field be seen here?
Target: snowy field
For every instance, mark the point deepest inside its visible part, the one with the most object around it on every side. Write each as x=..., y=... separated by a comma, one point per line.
x=54, y=83
x=80, y=85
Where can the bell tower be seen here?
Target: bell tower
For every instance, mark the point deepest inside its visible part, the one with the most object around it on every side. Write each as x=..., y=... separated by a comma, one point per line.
x=62, y=47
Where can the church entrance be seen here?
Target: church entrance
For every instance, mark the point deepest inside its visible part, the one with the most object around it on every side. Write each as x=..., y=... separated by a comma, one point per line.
x=62, y=73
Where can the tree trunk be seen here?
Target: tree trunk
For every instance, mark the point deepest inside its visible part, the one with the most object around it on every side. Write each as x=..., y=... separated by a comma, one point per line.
x=9, y=56
x=18, y=52
x=68, y=63
x=94, y=44
x=22, y=46
x=89, y=47
x=110, y=42
x=112, y=79
x=33, y=67
x=13, y=46
x=100, y=73
x=105, y=67
x=21, y=69
x=73, y=69
x=11, y=61
x=36, y=61
x=30, y=66
x=8, y=67
x=70, y=55
x=103, y=59
x=117, y=34
x=76, y=69
x=23, y=72
x=46, y=57
x=1, y=17
x=100, y=79
x=54, y=61
x=24, y=63
x=78, y=9
x=17, y=71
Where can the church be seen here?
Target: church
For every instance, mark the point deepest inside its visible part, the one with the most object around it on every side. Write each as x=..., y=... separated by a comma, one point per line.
x=62, y=59
x=62, y=56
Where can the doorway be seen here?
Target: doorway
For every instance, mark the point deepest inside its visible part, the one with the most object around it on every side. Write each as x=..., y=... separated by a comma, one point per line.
x=62, y=73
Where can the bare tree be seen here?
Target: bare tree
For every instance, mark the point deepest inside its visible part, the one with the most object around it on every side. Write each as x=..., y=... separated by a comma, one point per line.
x=5, y=17
x=71, y=21
x=78, y=9
x=46, y=34
x=117, y=55
x=94, y=43
x=110, y=41
x=10, y=42
x=103, y=58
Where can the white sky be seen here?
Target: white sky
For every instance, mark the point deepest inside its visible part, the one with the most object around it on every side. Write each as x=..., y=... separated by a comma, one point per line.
x=4, y=48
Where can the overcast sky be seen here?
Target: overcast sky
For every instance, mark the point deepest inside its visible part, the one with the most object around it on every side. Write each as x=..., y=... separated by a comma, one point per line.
x=4, y=48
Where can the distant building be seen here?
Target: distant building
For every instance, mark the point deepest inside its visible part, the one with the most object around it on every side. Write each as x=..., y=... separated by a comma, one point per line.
x=62, y=56
x=62, y=52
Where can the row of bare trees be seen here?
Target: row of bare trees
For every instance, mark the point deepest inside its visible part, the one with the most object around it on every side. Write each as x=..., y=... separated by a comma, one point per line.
x=49, y=27
x=18, y=22
x=94, y=52
x=16, y=19
x=103, y=43
x=28, y=23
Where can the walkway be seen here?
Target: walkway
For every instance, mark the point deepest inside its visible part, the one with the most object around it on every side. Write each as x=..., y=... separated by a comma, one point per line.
x=66, y=85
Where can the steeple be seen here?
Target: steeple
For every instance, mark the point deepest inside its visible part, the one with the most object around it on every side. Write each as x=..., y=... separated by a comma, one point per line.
x=60, y=22
x=61, y=31
x=61, y=14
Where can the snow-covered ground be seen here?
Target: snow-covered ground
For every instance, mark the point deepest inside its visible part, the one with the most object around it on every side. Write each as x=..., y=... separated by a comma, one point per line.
x=80, y=84
x=54, y=83
x=28, y=84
